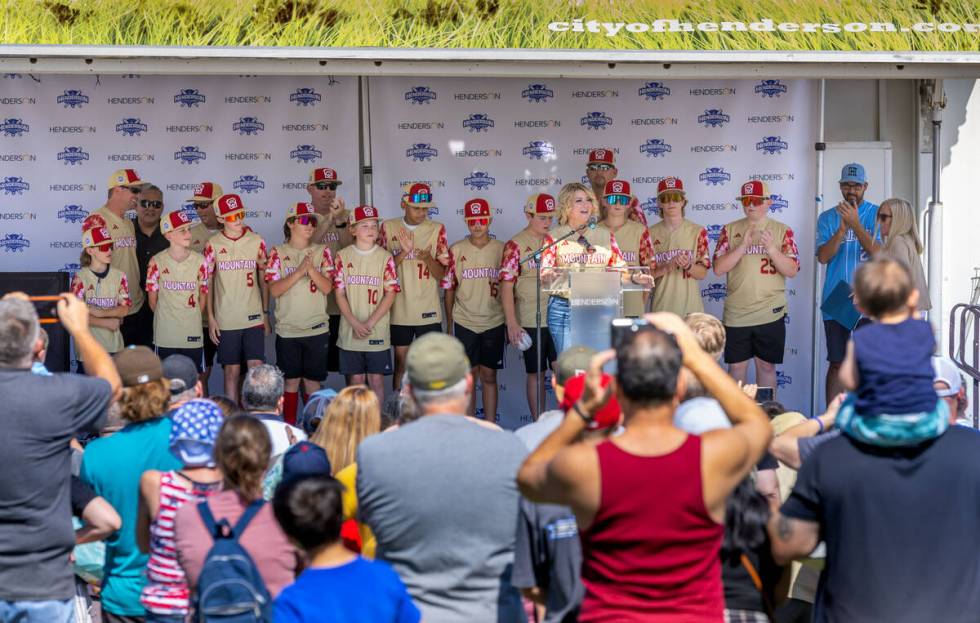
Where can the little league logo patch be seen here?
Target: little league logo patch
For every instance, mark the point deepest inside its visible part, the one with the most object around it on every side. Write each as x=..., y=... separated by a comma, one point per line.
x=478, y=123
x=715, y=292
x=655, y=147
x=713, y=118
x=189, y=98
x=305, y=96
x=14, y=186
x=539, y=150
x=73, y=155
x=596, y=121
x=189, y=154
x=479, y=180
x=420, y=95
x=248, y=184
x=778, y=203
x=617, y=187
x=70, y=267
x=771, y=88
x=248, y=126
x=783, y=379
x=14, y=242
x=714, y=232
x=771, y=145
x=14, y=127
x=73, y=98
x=421, y=152
x=72, y=214
x=537, y=93
x=131, y=126
x=305, y=153
x=715, y=176
x=649, y=206
x=654, y=91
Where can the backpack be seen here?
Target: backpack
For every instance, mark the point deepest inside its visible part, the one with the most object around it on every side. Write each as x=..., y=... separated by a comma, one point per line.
x=230, y=589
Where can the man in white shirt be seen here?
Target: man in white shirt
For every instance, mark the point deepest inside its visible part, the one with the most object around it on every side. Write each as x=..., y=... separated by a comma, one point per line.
x=262, y=398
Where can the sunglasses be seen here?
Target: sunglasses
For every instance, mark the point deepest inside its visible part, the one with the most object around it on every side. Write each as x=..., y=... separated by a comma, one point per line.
x=618, y=199
x=752, y=201
x=420, y=198
x=326, y=185
x=479, y=221
x=599, y=167
x=304, y=220
x=135, y=189
x=105, y=248
x=153, y=205
x=235, y=217
x=884, y=217
x=202, y=205
x=670, y=197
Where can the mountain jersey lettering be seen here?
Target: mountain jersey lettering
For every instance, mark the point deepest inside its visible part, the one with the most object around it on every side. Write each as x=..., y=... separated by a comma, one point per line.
x=104, y=294
x=677, y=291
x=123, y=248
x=300, y=311
x=475, y=275
x=571, y=253
x=231, y=267
x=525, y=288
x=179, y=287
x=418, y=301
x=365, y=276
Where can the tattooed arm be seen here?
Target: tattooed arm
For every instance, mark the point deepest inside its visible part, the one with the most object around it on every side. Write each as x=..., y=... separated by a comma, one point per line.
x=791, y=538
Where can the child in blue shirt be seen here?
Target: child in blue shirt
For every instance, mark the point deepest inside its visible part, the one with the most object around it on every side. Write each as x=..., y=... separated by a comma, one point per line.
x=338, y=586
x=888, y=366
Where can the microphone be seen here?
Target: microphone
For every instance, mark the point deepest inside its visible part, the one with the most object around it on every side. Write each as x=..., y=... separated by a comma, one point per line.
x=593, y=221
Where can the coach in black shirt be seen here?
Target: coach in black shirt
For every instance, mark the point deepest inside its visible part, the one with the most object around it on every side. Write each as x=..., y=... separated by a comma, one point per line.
x=149, y=242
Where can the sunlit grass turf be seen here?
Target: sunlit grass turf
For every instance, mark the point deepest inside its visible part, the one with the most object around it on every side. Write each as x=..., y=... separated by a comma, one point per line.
x=473, y=23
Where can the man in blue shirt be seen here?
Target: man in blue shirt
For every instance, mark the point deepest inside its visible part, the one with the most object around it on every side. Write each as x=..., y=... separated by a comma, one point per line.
x=846, y=236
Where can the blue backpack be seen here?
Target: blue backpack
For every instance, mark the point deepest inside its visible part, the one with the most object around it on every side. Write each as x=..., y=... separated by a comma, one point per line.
x=230, y=589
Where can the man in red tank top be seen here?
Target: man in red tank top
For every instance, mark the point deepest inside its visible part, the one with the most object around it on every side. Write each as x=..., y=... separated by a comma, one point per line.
x=650, y=503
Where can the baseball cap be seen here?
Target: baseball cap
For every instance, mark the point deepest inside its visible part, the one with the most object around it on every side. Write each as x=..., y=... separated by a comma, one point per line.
x=853, y=172
x=947, y=372
x=616, y=187
x=324, y=174
x=302, y=208
x=754, y=188
x=476, y=208
x=602, y=155
x=436, y=361
x=97, y=236
x=363, y=213
x=227, y=205
x=572, y=361
x=304, y=459
x=138, y=365
x=540, y=203
x=415, y=194
x=125, y=177
x=313, y=410
x=670, y=184
x=607, y=416
x=181, y=372
x=172, y=221
x=194, y=429
x=207, y=191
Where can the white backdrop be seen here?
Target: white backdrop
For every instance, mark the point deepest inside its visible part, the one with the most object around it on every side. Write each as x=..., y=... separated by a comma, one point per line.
x=504, y=139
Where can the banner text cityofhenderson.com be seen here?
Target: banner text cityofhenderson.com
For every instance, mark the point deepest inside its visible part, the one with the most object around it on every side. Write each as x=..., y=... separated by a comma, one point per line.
x=611, y=29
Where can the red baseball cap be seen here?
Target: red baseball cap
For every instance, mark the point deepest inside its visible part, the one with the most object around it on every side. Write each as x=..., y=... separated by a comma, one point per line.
x=207, y=191
x=754, y=188
x=617, y=187
x=541, y=203
x=172, y=221
x=95, y=237
x=324, y=174
x=227, y=205
x=413, y=190
x=602, y=155
x=670, y=184
x=364, y=213
x=302, y=208
x=476, y=208
x=610, y=413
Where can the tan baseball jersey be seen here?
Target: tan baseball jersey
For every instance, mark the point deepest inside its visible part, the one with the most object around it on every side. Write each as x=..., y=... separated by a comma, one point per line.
x=525, y=288
x=231, y=269
x=335, y=238
x=474, y=274
x=300, y=310
x=200, y=235
x=634, y=243
x=365, y=276
x=123, y=248
x=756, y=290
x=593, y=248
x=179, y=287
x=418, y=302
x=677, y=291
x=106, y=293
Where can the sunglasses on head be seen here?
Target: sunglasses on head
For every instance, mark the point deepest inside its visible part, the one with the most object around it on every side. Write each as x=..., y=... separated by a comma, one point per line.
x=153, y=205
x=752, y=201
x=235, y=217
x=105, y=248
x=669, y=197
x=617, y=199
x=326, y=185
x=420, y=198
x=135, y=189
x=306, y=219
x=600, y=166
x=479, y=221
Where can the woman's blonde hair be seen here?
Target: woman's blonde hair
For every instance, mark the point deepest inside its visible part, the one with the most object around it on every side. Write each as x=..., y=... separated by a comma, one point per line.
x=565, y=196
x=353, y=415
x=903, y=222
x=140, y=403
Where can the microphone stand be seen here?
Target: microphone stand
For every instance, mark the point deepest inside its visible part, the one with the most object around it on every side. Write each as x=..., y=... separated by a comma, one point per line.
x=536, y=256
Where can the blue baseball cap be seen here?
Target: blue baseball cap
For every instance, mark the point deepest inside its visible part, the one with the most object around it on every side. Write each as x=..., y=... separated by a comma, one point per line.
x=853, y=172
x=305, y=459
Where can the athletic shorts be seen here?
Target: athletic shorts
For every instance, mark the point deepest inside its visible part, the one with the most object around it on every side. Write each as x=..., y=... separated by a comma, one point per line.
x=548, y=353
x=483, y=349
x=210, y=349
x=403, y=334
x=365, y=362
x=837, y=337
x=303, y=357
x=333, y=361
x=765, y=341
x=241, y=345
x=195, y=354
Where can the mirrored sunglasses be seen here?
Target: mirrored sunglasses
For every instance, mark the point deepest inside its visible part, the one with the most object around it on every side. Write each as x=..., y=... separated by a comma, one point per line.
x=420, y=198
x=326, y=185
x=752, y=201
x=105, y=248
x=153, y=205
x=669, y=197
x=618, y=199
x=305, y=220
x=479, y=221
x=600, y=166
x=234, y=218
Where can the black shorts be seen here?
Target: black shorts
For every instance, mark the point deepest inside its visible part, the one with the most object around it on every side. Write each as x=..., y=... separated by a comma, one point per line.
x=333, y=361
x=548, y=353
x=403, y=334
x=303, y=357
x=365, y=362
x=137, y=329
x=483, y=349
x=210, y=349
x=765, y=341
x=236, y=346
x=837, y=337
x=195, y=354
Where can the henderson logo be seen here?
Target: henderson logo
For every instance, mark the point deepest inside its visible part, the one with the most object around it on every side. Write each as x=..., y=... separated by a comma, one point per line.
x=771, y=88
x=771, y=145
x=14, y=242
x=655, y=147
x=778, y=203
x=421, y=152
x=73, y=98
x=131, y=126
x=654, y=91
x=713, y=118
x=189, y=98
x=305, y=153
x=305, y=96
x=72, y=214
x=73, y=155
x=14, y=127
x=478, y=123
x=715, y=176
x=479, y=180
x=248, y=126
x=248, y=184
x=649, y=206
x=420, y=95
x=596, y=121
x=70, y=267
x=539, y=150
x=714, y=232
x=537, y=93
x=715, y=292
x=783, y=379
x=189, y=154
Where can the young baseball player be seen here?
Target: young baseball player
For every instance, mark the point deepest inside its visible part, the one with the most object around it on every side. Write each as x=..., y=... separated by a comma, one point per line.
x=103, y=288
x=300, y=276
x=633, y=239
x=600, y=170
x=177, y=290
x=206, y=226
x=238, y=300
x=518, y=293
x=473, y=311
x=421, y=254
x=757, y=254
x=680, y=252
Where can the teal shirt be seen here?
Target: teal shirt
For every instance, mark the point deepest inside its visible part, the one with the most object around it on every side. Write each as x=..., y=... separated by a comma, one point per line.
x=112, y=466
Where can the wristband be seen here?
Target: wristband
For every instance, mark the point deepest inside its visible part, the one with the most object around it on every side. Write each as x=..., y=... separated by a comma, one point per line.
x=576, y=406
x=820, y=424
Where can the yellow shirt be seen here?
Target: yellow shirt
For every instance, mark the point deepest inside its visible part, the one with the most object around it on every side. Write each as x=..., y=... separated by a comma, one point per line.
x=474, y=274
x=179, y=287
x=418, y=301
x=677, y=291
x=348, y=478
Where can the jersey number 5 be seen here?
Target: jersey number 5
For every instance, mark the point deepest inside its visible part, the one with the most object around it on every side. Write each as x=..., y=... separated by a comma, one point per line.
x=250, y=279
